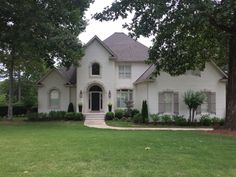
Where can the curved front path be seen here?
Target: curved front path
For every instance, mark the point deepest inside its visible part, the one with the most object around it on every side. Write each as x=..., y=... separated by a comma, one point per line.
x=95, y=123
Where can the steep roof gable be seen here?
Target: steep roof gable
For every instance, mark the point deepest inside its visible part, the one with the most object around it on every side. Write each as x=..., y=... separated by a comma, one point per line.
x=69, y=75
x=126, y=48
x=148, y=73
x=102, y=43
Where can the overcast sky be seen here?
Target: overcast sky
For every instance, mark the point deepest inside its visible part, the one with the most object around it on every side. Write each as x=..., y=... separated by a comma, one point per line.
x=104, y=29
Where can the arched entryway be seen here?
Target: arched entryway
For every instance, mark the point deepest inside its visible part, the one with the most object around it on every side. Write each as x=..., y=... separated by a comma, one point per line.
x=95, y=98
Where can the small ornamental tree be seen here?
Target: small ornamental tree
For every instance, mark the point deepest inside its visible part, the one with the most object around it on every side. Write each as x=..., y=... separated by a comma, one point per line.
x=70, y=108
x=193, y=100
x=145, y=111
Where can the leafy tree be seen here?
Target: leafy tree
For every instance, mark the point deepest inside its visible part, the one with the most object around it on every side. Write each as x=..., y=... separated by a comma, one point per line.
x=39, y=31
x=193, y=100
x=187, y=34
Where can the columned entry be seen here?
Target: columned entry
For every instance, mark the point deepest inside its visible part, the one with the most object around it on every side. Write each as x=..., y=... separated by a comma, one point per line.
x=95, y=98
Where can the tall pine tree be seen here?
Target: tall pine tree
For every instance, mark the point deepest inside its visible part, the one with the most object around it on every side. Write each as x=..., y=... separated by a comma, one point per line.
x=41, y=30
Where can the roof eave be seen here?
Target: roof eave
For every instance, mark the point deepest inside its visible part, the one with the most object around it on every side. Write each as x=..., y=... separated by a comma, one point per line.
x=147, y=80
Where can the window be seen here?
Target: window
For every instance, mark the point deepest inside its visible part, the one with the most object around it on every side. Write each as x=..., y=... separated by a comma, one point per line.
x=125, y=71
x=169, y=102
x=123, y=96
x=95, y=69
x=209, y=105
x=54, y=98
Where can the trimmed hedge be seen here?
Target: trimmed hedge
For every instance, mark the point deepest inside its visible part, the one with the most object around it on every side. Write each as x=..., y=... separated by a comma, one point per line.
x=17, y=110
x=56, y=115
x=119, y=113
x=109, y=116
x=137, y=118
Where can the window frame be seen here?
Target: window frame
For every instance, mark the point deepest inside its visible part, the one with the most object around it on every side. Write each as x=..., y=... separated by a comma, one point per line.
x=125, y=72
x=120, y=104
x=172, y=102
x=52, y=106
x=91, y=69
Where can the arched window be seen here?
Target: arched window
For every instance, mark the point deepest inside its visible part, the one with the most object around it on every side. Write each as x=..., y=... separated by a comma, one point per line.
x=95, y=69
x=54, y=98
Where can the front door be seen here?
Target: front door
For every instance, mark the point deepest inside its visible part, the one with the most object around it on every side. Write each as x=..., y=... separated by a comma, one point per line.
x=95, y=101
x=95, y=98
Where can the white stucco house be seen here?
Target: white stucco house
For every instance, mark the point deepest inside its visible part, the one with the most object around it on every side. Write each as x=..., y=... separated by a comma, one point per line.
x=114, y=71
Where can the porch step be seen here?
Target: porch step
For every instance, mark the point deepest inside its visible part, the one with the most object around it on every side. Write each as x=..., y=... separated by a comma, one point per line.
x=94, y=116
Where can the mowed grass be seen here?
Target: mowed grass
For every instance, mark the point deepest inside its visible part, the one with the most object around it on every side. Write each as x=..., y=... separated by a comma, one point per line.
x=68, y=149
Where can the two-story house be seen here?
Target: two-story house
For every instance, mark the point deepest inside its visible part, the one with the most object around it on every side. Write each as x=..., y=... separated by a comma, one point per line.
x=113, y=71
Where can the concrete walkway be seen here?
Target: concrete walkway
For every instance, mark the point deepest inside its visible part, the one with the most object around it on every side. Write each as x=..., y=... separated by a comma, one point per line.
x=101, y=124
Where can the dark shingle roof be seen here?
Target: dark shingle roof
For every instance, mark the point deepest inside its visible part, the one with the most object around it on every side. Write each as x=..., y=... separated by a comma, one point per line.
x=146, y=75
x=69, y=74
x=126, y=48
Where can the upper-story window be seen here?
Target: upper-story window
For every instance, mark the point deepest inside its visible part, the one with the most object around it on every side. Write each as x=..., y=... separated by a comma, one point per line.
x=54, y=99
x=125, y=71
x=95, y=69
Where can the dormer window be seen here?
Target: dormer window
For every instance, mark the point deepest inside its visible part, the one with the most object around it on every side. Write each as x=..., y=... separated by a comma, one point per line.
x=95, y=69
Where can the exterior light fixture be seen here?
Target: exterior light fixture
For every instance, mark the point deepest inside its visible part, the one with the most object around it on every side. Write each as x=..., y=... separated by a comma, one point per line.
x=109, y=94
x=81, y=94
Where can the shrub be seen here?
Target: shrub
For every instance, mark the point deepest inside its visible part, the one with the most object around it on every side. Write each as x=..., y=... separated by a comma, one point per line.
x=134, y=111
x=119, y=113
x=145, y=111
x=216, y=120
x=205, y=120
x=127, y=113
x=18, y=109
x=155, y=118
x=109, y=116
x=42, y=116
x=56, y=115
x=179, y=120
x=69, y=116
x=137, y=118
x=77, y=116
x=32, y=116
x=222, y=122
x=70, y=108
x=166, y=119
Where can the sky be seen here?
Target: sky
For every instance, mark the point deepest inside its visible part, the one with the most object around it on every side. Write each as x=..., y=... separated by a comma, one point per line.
x=105, y=29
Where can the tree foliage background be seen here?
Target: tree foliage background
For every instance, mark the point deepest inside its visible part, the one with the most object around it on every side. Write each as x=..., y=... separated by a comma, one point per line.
x=187, y=34
x=37, y=31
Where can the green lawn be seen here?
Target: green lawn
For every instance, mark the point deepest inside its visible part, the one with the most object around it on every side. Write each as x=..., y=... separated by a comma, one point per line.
x=123, y=123
x=68, y=149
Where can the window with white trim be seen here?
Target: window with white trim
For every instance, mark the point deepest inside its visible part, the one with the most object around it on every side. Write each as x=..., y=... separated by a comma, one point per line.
x=125, y=71
x=54, y=99
x=95, y=69
x=123, y=96
x=168, y=102
x=209, y=105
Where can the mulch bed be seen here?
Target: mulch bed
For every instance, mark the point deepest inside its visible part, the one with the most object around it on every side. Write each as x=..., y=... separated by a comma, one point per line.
x=223, y=132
